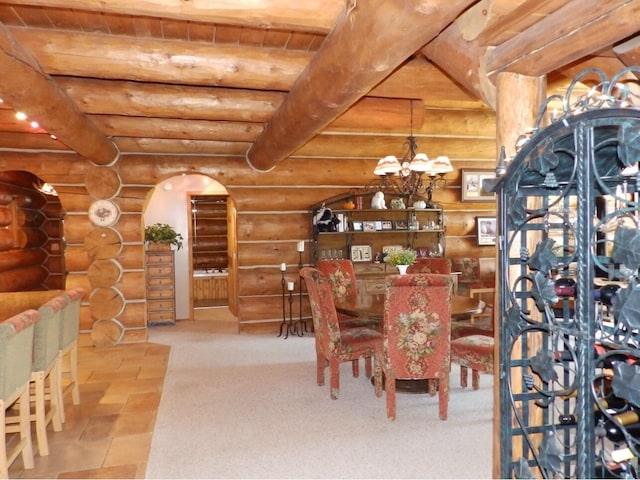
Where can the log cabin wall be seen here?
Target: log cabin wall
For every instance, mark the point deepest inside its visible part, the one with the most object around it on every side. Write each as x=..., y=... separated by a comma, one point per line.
x=272, y=214
x=31, y=249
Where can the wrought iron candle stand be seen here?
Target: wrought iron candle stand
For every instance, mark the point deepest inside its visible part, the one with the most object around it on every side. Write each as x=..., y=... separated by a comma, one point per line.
x=288, y=326
x=283, y=324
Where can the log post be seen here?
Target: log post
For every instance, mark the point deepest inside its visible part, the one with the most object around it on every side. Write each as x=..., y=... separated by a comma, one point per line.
x=518, y=98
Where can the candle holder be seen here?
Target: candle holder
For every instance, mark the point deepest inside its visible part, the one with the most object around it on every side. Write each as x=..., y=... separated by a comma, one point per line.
x=292, y=326
x=283, y=324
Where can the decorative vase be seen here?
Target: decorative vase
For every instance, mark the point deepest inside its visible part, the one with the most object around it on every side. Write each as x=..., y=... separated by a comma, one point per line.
x=403, y=269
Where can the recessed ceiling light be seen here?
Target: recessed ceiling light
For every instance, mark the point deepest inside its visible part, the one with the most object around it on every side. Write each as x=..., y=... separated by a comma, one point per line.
x=35, y=124
x=21, y=116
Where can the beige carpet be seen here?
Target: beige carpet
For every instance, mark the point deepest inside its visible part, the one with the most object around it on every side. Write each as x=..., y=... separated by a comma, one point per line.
x=247, y=406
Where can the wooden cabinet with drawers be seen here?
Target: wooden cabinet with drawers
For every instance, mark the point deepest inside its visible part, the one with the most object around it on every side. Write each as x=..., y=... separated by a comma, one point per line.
x=160, y=274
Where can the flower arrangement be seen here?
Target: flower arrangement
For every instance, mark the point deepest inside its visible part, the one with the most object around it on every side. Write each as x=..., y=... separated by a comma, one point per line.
x=163, y=234
x=401, y=257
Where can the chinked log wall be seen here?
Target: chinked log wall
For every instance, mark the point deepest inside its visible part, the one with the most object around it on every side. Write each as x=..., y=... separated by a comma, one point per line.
x=272, y=213
x=30, y=236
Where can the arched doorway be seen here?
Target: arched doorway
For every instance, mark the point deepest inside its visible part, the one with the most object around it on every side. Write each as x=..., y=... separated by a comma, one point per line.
x=171, y=203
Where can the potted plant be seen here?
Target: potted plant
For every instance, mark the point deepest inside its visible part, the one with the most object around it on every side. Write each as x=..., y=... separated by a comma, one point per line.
x=401, y=259
x=162, y=235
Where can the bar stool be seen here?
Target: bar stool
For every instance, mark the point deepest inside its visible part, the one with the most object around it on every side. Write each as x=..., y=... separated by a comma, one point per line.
x=69, y=348
x=45, y=389
x=16, y=347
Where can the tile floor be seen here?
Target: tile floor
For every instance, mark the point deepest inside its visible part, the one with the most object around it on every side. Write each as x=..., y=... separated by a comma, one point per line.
x=109, y=434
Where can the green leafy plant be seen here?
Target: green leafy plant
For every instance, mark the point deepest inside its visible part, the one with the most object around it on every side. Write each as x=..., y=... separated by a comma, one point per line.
x=401, y=257
x=164, y=234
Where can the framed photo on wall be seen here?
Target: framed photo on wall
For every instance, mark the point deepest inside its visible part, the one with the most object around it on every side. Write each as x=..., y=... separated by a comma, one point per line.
x=486, y=230
x=361, y=253
x=472, y=190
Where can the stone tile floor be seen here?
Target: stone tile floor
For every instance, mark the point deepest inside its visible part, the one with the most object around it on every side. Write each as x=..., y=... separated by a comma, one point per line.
x=109, y=434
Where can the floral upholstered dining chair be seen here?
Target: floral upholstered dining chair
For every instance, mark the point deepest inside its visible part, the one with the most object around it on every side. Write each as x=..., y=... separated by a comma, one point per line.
x=341, y=276
x=430, y=265
x=344, y=287
x=416, y=346
x=333, y=344
x=470, y=274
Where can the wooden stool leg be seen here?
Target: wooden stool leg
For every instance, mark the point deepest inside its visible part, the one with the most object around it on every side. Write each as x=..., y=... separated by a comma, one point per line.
x=73, y=372
x=4, y=461
x=41, y=422
x=475, y=379
x=355, y=367
x=55, y=394
x=25, y=430
x=463, y=376
x=368, y=368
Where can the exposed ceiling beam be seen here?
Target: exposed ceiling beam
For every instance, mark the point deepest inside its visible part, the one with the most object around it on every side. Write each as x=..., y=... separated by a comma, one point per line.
x=506, y=19
x=163, y=61
x=137, y=99
x=308, y=15
x=368, y=42
x=629, y=52
x=155, y=60
x=29, y=89
x=568, y=34
x=457, y=53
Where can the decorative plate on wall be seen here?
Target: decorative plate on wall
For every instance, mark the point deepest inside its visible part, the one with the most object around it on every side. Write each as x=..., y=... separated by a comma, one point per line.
x=103, y=213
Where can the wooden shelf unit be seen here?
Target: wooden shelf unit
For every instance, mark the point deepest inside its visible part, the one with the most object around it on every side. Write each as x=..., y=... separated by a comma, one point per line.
x=209, y=232
x=379, y=230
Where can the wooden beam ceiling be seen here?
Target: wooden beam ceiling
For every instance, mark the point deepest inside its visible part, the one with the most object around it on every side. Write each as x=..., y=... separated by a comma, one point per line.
x=28, y=88
x=307, y=15
x=376, y=37
x=564, y=36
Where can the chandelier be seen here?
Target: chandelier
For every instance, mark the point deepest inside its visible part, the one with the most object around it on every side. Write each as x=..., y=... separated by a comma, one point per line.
x=415, y=175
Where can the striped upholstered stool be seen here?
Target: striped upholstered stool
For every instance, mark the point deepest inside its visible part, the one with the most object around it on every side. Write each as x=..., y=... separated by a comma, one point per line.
x=474, y=352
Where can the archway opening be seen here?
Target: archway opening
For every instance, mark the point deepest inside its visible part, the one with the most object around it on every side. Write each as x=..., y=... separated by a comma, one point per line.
x=205, y=264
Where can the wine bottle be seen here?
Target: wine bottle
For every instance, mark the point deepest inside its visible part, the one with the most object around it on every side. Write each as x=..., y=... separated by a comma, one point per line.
x=628, y=417
x=612, y=405
x=615, y=432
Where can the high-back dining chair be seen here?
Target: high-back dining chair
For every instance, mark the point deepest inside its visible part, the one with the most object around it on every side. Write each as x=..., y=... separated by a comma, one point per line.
x=333, y=344
x=430, y=265
x=417, y=321
x=16, y=355
x=470, y=275
x=344, y=286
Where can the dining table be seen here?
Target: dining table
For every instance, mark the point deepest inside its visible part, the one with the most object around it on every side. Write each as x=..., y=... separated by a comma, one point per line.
x=371, y=306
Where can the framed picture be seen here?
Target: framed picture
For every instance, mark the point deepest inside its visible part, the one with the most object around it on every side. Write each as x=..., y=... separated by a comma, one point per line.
x=369, y=226
x=486, y=230
x=472, y=190
x=387, y=225
x=400, y=224
x=361, y=253
x=357, y=226
x=391, y=248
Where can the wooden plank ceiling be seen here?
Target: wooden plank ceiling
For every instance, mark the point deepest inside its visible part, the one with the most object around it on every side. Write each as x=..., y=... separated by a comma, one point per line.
x=260, y=79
